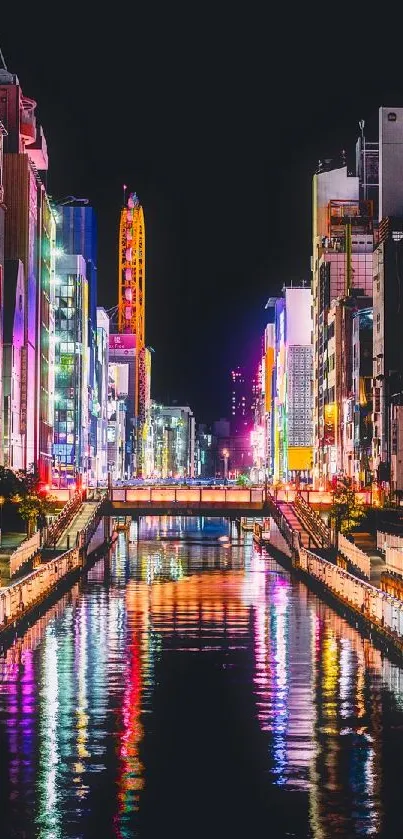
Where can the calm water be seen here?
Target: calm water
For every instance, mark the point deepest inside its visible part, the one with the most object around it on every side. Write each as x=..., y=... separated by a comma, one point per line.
x=191, y=688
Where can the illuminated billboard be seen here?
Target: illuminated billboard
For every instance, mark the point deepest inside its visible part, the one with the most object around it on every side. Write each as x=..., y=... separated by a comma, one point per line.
x=330, y=424
x=124, y=342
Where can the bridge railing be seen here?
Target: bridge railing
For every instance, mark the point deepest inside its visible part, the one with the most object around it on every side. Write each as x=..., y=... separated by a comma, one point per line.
x=188, y=495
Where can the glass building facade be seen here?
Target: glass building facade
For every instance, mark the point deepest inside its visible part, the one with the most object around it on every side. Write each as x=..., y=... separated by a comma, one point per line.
x=71, y=371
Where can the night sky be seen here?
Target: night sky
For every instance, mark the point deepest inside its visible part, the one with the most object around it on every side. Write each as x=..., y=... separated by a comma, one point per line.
x=217, y=120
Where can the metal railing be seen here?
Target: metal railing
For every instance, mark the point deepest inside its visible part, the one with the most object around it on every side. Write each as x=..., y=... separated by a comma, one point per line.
x=25, y=552
x=312, y=521
x=291, y=536
x=59, y=524
x=84, y=536
x=355, y=555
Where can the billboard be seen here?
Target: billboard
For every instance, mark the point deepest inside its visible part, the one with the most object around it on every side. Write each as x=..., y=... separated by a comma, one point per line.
x=330, y=424
x=125, y=342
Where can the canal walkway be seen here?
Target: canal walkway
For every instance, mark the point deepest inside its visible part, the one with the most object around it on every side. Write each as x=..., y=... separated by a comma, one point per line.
x=367, y=543
x=52, y=562
x=305, y=525
x=69, y=535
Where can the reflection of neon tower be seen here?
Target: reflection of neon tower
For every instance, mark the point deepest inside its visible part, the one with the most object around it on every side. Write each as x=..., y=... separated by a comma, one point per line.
x=131, y=307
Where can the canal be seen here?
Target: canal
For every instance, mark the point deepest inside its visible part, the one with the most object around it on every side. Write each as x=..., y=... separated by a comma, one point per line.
x=190, y=687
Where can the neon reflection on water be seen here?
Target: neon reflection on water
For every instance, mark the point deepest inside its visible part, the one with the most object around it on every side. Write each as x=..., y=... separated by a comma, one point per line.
x=48, y=805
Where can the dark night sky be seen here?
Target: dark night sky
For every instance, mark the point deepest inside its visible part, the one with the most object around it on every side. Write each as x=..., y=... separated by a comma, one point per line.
x=217, y=120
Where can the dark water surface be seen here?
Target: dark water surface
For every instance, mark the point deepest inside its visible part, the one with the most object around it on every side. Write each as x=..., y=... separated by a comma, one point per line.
x=188, y=688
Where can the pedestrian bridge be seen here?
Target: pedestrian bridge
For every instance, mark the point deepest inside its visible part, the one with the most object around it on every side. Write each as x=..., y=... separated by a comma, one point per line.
x=186, y=501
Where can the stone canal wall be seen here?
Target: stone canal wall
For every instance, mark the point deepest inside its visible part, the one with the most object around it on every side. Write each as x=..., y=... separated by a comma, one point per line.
x=22, y=595
x=29, y=591
x=380, y=609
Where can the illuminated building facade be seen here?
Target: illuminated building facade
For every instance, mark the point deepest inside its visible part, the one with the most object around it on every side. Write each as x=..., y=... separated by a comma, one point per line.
x=173, y=432
x=30, y=238
x=70, y=447
x=205, y=451
x=291, y=411
x=360, y=411
x=14, y=304
x=387, y=346
x=117, y=434
x=262, y=435
x=346, y=382
x=258, y=434
x=343, y=237
x=243, y=395
x=77, y=234
x=2, y=212
x=101, y=377
x=241, y=402
x=122, y=372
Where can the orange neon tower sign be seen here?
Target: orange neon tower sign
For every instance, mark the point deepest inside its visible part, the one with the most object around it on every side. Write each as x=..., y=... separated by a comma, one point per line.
x=131, y=306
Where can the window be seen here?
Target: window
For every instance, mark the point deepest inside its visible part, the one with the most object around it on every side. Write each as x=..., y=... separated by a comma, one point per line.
x=378, y=322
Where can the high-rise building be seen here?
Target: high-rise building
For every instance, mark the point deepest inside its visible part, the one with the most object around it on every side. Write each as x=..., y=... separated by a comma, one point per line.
x=361, y=432
x=14, y=304
x=174, y=441
x=77, y=234
x=263, y=432
x=205, y=453
x=343, y=236
x=291, y=385
x=71, y=451
x=345, y=375
x=2, y=212
x=30, y=238
x=101, y=376
x=118, y=437
x=122, y=373
x=241, y=402
x=258, y=435
x=387, y=307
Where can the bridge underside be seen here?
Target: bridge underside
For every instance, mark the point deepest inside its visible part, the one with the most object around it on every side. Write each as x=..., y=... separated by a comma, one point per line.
x=167, y=508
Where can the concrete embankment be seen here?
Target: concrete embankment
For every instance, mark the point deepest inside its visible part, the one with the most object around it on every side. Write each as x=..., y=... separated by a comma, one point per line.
x=377, y=615
x=22, y=599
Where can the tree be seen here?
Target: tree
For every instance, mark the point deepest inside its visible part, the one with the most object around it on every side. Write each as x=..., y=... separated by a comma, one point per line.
x=11, y=483
x=33, y=508
x=346, y=511
x=243, y=480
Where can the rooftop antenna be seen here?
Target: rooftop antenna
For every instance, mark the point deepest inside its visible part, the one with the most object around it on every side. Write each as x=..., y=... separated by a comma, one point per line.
x=364, y=158
x=124, y=194
x=3, y=60
x=70, y=200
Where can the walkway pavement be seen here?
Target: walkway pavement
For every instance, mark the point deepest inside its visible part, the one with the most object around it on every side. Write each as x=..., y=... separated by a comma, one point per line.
x=294, y=522
x=9, y=543
x=68, y=538
x=367, y=543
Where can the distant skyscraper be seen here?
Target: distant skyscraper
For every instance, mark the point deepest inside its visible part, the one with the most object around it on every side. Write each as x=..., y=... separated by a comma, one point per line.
x=241, y=402
x=174, y=438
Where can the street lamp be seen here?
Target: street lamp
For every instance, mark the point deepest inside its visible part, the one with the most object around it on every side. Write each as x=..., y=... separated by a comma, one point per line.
x=225, y=454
